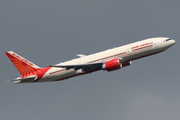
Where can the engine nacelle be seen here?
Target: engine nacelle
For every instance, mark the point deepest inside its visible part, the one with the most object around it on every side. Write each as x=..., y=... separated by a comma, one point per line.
x=125, y=64
x=112, y=65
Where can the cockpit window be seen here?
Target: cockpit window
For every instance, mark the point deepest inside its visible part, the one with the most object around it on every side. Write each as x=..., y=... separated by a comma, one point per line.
x=168, y=39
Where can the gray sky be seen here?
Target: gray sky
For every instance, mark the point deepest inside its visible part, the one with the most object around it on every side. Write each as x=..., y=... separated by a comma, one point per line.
x=48, y=32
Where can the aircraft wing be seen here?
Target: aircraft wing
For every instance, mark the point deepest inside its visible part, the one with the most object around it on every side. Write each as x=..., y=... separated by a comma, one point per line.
x=85, y=67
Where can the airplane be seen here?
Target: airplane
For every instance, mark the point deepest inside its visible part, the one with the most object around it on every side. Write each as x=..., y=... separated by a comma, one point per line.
x=108, y=60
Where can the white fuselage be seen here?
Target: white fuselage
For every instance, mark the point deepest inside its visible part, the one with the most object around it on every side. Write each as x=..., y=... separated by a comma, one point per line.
x=125, y=53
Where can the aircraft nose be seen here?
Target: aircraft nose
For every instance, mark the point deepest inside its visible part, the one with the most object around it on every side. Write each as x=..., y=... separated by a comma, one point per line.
x=173, y=42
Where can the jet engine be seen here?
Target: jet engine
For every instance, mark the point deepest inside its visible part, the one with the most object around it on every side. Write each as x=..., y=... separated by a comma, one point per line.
x=112, y=65
x=115, y=64
x=125, y=64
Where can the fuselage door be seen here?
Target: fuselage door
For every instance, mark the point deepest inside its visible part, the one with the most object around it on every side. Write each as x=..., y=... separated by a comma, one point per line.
x=129, y=51
x=156, y=45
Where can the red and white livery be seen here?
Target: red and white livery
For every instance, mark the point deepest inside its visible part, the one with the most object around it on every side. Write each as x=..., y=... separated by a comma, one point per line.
x=109, y=60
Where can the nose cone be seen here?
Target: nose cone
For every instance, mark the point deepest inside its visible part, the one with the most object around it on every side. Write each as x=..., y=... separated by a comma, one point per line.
x=170, y=42
x=173, y=42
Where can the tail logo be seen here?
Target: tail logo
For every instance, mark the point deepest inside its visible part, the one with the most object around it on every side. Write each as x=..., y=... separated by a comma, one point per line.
x=23, y=66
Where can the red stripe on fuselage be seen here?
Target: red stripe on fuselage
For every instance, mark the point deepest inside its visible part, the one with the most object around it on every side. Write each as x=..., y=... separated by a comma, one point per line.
x=146, y=55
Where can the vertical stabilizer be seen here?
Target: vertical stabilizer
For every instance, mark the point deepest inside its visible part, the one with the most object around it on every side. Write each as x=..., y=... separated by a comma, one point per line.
x=24, y=66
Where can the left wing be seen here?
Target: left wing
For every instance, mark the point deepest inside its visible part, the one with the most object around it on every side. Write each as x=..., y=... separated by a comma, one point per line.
x=85, y=67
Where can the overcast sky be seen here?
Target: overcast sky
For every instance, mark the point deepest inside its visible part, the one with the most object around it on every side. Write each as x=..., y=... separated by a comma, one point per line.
x=52, y=31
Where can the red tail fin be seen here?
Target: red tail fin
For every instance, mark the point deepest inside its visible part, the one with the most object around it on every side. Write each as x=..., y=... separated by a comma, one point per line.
x=24, y=66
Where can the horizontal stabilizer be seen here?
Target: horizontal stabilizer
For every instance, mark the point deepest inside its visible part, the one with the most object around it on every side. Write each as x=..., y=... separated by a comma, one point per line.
x=21, y=80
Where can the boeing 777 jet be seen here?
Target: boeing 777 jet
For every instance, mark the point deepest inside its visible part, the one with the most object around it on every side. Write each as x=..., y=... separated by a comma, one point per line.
x=108, y=60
